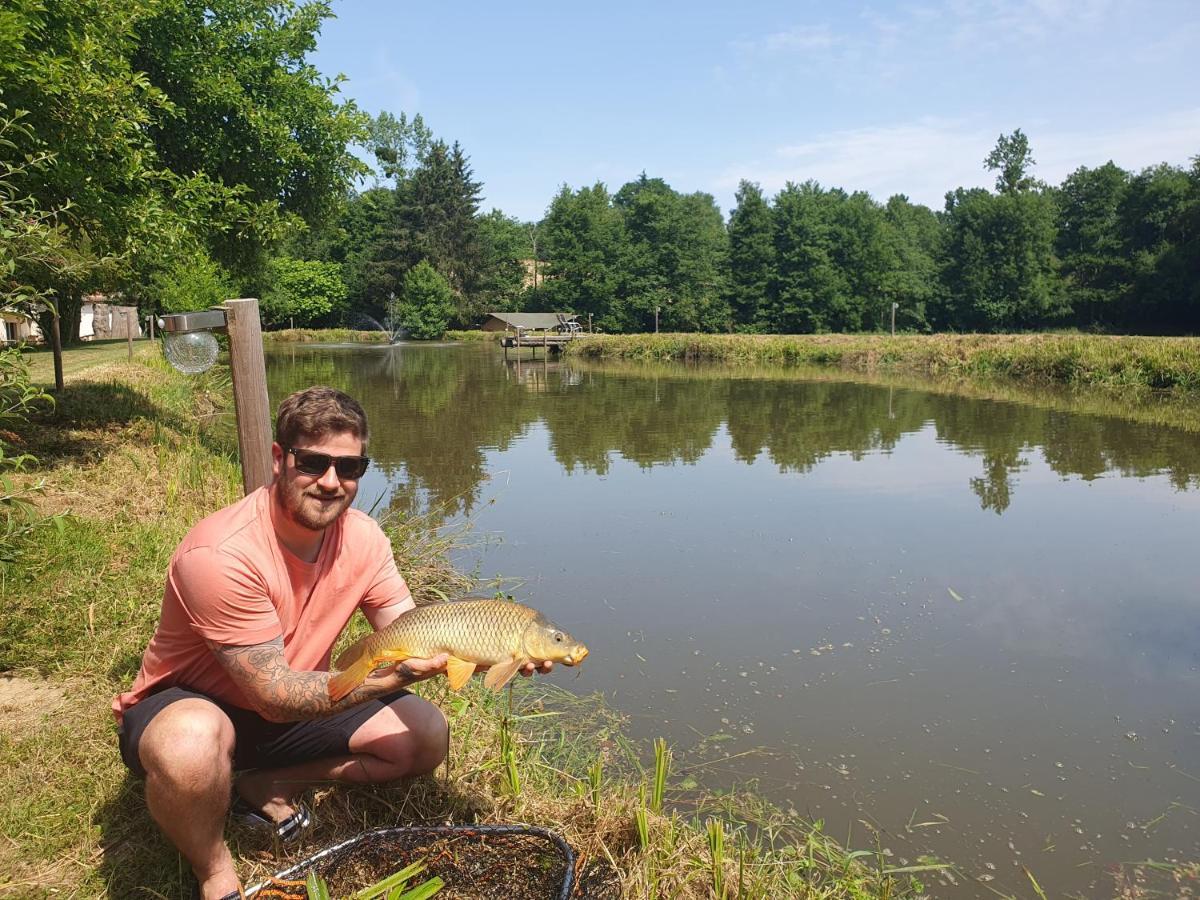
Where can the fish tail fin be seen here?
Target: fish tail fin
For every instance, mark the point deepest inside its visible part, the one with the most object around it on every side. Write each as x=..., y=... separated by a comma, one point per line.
x=342, y=683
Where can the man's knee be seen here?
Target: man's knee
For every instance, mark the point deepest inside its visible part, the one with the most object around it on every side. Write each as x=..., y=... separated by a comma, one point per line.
x=411, y=735
x=191, y=741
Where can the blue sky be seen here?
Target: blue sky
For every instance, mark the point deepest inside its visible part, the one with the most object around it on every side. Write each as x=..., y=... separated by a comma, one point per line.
x=883, y=97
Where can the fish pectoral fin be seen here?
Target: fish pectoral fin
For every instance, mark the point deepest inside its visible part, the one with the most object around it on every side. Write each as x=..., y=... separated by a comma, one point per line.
x=458, y=672
x=500, y=675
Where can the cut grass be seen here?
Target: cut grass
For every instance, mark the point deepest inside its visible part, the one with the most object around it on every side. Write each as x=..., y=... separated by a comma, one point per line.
x=79, y=359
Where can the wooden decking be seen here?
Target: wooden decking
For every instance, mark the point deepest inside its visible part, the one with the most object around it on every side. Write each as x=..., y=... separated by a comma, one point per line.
x=551, y=341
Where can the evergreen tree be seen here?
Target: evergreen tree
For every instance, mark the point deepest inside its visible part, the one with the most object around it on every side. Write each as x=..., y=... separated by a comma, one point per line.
x=751, y=256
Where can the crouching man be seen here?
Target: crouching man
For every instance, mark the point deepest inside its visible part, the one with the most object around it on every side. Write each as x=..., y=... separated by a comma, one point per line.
x=232, y=703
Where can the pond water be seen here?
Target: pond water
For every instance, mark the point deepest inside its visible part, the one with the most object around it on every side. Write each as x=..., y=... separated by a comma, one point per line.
x=971, y=623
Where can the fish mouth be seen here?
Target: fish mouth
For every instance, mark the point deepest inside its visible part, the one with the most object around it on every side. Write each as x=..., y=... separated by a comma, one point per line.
x=576, y=658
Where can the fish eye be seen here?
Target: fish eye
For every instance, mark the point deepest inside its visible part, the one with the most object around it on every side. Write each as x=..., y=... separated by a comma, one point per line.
x=558, y=637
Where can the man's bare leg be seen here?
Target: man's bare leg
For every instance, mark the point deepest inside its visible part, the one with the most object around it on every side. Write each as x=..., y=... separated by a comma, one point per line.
x=187, y=752
x=408, y=737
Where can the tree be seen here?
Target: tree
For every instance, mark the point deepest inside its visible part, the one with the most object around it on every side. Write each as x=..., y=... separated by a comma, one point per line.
x=303, y=290
x=751, y=255
x=1013, y=159
x=1095, y=267
x=675, y=261
x=427, y=304
x=176, y=127
x=1000, y=271
x=913, y=280
x=505, y=244
x=584, y=241
x=398, y=144
x=1160, y=226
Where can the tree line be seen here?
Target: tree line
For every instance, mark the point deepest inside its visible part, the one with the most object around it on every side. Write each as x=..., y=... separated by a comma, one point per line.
x=176, y=153
x=1108, y=249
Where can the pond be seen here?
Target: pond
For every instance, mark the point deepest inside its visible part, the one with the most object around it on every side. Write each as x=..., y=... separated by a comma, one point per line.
x=971, y=623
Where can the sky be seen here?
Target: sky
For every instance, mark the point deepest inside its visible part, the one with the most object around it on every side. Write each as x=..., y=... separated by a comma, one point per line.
x=882, y=97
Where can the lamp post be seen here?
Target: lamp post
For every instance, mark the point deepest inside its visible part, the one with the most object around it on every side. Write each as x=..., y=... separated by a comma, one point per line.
x=894, y=305
x=189, y=346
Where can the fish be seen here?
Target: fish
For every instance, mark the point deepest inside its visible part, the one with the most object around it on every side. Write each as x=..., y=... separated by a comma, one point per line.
x=499, y=634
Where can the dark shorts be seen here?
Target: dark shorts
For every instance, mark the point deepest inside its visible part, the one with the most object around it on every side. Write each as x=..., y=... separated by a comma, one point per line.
x=259, y=744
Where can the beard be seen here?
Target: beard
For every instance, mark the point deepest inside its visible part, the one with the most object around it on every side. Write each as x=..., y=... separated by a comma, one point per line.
x=311, y=507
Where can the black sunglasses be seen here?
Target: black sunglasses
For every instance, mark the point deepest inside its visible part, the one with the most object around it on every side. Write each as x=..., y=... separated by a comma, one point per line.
x=348, y=468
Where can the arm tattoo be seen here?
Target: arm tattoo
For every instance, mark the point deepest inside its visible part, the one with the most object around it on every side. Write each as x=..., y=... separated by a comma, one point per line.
x=278, y=692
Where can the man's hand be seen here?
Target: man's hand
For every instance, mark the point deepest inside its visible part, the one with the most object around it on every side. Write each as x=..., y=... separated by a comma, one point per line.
x=529, y=668
x=412, y=670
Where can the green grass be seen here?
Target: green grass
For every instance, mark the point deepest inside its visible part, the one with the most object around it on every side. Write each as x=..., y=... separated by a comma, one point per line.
x=1072, y=359
x=80, y=358
x=325, y=336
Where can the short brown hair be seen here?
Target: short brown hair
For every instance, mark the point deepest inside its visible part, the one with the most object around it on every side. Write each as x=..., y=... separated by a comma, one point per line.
x=317, y=411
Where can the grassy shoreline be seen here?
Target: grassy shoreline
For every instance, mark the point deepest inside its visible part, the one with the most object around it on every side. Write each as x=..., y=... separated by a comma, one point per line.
x=1080, y=360
x=129, y=458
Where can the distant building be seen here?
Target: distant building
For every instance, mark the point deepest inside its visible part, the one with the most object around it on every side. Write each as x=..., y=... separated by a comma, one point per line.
x=16, y=327
x=100, y=320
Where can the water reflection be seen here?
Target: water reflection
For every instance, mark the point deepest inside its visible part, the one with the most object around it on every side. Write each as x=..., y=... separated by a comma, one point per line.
x=456, y=402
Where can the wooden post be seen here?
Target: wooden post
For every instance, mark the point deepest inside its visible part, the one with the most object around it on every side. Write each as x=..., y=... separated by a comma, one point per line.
x=56, y=346
x=129, y=320
x=894, y=305
x=151, y=318
x=250, y=401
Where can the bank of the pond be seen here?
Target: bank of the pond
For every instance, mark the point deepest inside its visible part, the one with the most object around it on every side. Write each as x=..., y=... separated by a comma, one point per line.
x=130, y=462
x=354, y=336
x=1082, y=360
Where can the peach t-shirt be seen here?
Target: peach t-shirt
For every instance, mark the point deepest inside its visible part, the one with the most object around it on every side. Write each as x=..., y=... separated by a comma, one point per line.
x=230, y=581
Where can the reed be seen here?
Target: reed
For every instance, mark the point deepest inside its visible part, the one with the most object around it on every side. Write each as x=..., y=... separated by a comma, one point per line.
x=714, y=830
x=1156, y=363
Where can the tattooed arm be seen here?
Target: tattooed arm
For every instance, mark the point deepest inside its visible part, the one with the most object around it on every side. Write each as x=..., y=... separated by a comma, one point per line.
x=279, y=693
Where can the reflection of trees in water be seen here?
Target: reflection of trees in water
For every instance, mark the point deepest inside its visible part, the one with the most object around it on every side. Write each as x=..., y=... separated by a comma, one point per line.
x=436, y=412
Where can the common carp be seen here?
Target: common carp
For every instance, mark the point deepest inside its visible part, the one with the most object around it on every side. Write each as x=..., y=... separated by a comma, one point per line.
x=495, y=633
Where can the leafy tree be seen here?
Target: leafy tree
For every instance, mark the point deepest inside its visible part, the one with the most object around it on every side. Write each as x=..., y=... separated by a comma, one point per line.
x=1001, y=271
x=675, y=250
x=1159, y=218
x=751, y=255
x=583, y=236
x=1013, y=159
x=192, y=283
x=505, y=245
x=427, y=304
x=1095, y=267
x=398, y=144
x=912, y=280
x=245, y=107
x=303, y=290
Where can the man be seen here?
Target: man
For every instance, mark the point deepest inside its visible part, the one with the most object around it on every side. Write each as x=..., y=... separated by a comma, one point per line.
x=232, y=697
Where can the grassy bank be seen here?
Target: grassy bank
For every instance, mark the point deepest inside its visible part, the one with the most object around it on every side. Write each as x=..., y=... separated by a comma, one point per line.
x=350, y=336
x=131, y=460
x=1078, y=360
x=325, y=336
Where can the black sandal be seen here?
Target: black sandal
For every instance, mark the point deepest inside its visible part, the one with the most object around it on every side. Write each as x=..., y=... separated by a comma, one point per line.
x=290, y=829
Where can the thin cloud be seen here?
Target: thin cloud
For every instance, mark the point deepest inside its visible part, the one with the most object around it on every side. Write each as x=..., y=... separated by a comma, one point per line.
x=927, y=158
x=800, y=39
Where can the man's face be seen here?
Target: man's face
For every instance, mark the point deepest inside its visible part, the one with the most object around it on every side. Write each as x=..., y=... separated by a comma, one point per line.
x=315, y=501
